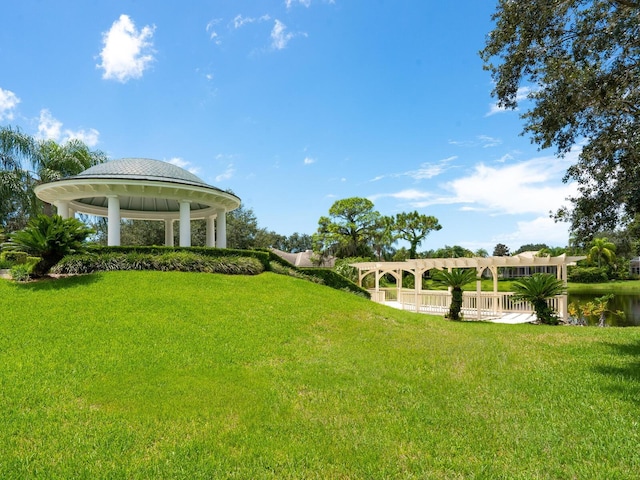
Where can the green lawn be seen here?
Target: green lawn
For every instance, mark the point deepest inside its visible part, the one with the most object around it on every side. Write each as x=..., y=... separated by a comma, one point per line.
x=185, y=375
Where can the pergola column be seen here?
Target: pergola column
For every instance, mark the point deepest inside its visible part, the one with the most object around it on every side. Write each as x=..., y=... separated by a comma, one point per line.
x=185, y=223
x=168, y=232
x=221, y=228
x=211, y=232
x=113, y=223
x=62, y=207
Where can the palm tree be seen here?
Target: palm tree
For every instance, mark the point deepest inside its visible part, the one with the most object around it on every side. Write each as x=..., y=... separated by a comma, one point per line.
x=17, y=200
x=49, y=238
x=26, y=162
x=602, y=248
x=456, y=279
x=536, y=289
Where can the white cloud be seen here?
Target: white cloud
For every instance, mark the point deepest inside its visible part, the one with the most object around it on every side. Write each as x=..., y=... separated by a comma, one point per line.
x=309, y=160
x=484, y=141
x=424, y=172
x=505, y=158
x=227, y=174
x=240, y=21
x=488, y=142
x=280, y=37
x=305, y=3
x=532, y=186
x=88, y=137
x=408, y=195
x=540, y=229
x=8, y=102
x=50, y=128
x=127, y=52
x=213, y=34
x=179, y=162
x=521, y=94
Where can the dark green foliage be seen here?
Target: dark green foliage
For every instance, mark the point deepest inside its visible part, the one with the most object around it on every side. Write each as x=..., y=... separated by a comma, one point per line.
x=501, y=250
x=536, y=289
x=456, y=279
x=349, y=228
x=578, y=61
x=183, y=261
x=50, y=238
x=262, y=256
x=13, y=256
x=414, y=228
x=587, y=275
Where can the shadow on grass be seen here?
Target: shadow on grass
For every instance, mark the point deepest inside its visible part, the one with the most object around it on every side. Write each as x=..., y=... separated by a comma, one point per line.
x=60, y=283
x=625, y=377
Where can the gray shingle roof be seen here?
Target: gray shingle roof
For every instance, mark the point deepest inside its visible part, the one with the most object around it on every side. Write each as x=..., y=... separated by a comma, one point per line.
x=142, y=169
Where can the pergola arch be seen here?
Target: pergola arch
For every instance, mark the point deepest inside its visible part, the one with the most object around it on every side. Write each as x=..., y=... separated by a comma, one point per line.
x=418, y=267
x=143, y=189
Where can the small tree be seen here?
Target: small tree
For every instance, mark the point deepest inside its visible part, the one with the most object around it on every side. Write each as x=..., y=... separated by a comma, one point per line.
x=414, y=228
x=49, y=238
x=456, y=279
x=501, y=250
x=536, y=289
x=601, y=249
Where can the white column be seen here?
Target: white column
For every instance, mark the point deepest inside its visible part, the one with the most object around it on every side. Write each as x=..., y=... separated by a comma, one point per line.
x=221, y=229
x=211, y=232
x=185, y=223
x=62, y=207
x=113, y=223
x=168, y=232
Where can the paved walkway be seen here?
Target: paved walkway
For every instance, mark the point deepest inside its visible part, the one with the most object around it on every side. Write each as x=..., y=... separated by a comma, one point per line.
x=511, y=318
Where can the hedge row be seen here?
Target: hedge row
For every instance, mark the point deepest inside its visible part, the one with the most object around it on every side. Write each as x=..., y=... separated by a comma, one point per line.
x=182, y=261
x=101, y=258
x=262, y=257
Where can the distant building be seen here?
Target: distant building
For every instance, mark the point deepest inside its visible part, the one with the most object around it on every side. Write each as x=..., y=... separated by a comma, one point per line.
x=634, y=266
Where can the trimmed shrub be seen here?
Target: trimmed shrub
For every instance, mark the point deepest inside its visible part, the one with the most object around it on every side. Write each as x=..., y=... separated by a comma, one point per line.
x=175, y=261
x=13, y=257
x=587, y=275
x=261, y=256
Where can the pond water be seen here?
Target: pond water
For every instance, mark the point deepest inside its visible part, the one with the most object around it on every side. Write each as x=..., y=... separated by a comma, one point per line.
x=627, y=303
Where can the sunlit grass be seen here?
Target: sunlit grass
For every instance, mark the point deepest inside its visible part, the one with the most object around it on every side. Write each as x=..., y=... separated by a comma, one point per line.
x=185, y=375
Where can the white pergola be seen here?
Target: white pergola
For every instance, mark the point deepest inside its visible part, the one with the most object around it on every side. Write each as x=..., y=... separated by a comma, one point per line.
x=143, y=189
x=418, y=267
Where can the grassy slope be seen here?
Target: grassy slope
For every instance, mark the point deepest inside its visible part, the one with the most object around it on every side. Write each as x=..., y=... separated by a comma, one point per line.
x=182, y=375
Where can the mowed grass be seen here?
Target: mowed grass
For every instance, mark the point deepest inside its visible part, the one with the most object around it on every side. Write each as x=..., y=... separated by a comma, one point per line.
x=185, y=375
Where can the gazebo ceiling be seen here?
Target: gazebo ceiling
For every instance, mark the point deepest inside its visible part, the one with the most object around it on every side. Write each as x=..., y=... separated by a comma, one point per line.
x=146, y=188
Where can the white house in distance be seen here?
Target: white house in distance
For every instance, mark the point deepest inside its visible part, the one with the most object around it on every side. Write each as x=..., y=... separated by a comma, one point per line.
x=143, y=189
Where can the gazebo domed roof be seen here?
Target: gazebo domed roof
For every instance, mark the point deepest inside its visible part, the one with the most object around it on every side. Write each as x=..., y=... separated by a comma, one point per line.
x=146, y=188
x=142, y=169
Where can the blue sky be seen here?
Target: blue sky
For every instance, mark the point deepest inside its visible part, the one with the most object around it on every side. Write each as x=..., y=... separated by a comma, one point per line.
x=292, y=104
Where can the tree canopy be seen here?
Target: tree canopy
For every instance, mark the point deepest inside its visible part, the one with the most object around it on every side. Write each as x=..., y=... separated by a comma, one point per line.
x=348, y=230
x=414, y=228
x=578, y=61
x=26, y=162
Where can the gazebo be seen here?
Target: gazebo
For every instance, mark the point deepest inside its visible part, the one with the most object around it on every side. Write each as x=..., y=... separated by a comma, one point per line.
x=143, y=189
x=477, y=304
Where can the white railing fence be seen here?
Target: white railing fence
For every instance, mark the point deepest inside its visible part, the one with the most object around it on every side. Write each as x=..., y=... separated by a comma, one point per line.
x=474, y=304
